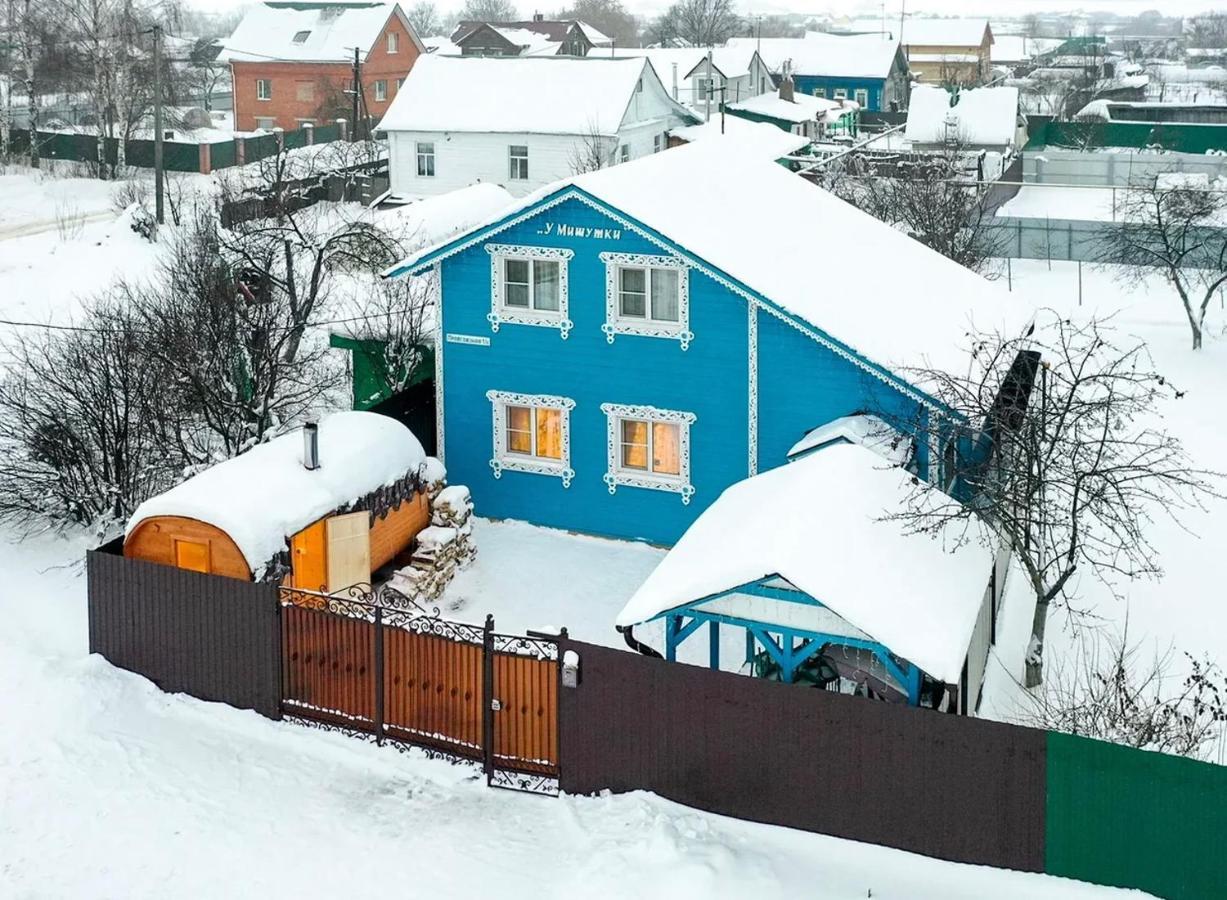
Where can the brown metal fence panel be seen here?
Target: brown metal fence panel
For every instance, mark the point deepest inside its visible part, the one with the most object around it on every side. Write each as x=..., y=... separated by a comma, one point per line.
x=433, y=687
x=526, y=718
x=943, y=785
x=329, y=665
x=211, y=637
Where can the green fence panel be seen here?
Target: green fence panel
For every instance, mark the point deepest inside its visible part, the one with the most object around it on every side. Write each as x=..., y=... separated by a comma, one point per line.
x=260, y=147
x=1132, y=818
x=1176, y=136
x=222, y=155
x=326, y=134
x=295, y=139
x=140, y=153
x=178, y=157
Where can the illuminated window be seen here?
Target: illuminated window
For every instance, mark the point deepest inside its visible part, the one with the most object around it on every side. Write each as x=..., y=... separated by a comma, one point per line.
x=649, y=448
x=532, y=433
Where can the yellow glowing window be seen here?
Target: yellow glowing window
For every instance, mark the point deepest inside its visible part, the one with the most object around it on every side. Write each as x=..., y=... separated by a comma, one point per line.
x=534, y=431
x=192, y=555
x=651, y=446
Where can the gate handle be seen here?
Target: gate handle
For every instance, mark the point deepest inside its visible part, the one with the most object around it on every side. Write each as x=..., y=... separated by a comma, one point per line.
x=496, y=705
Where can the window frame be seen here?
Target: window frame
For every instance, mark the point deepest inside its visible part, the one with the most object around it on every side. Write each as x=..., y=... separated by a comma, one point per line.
x=617, y=476
x=420, y=155
x=272, y=123
x=839, y=93
x=646, y=326
x=264, y=89
x=820, y=93
x=624, y=153
x=381, y=90
x=858, y=94
x=501, y=313
x=512, y=159
x=393, y=42
x=504, y=460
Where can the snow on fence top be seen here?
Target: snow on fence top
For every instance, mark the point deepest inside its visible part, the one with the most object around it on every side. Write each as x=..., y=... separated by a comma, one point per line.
x=986, y=115
x=818, y=524
x=837, y=55
x=869, y=286
x=533, y=95
x=324, y=32
x=261, y=497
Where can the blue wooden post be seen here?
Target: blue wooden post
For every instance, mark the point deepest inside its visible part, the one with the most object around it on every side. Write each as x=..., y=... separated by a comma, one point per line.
x=714, y=649
x=749, y=646
x=672, y=625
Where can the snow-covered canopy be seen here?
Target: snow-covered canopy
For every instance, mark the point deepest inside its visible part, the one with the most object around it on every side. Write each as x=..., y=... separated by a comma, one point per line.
x=835, y=55
x=532, y=95
x=818, y=524
x=802, y=108
x=982, y=116
x=914, y=309
x=866, y=430
x=763, y=133
x=309, y=32
x=262, y=497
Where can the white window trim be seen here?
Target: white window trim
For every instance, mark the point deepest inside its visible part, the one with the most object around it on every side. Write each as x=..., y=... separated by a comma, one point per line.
x=864, y=104
x=616, y=324
x=381, y=90
x=418, y=154
x=616, y=475
x=262, y=95
x=503, y=460
x=512, y=160
x=393, y=43
x=500, y=314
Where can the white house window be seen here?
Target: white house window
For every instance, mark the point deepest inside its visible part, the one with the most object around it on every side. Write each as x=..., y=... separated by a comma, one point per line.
x=624, y=153
x=532, y=433
x=426, y=159
x=657, y=140
x=820, y=92
x=862, y=97
x=264, y=89
x=528, y=286
x=841, y=94
x=648, y=296
x=381, y=91
x=518, y=162
x=393, y=42
x=649, y=448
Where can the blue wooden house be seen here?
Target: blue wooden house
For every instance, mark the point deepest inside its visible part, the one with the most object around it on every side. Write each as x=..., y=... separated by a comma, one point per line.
x=616, y=349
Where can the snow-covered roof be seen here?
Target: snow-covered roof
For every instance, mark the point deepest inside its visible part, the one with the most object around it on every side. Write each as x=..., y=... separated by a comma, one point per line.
x=533, y=95
x=262, y=497
x=914, y=310
x=944, y=32
x=868, y=431
x=802, y=108
x=531, y=43
x=730, y=61
x=1020, y=47
x=987, y=115
x=769, y=135
x=436, y=218
x=849, y=56
x=818, y=523
x=441, y=45
x=308, y=32
x=595, y=36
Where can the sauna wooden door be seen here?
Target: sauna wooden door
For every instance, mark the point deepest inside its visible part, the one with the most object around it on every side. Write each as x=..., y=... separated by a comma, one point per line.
x=309, y=558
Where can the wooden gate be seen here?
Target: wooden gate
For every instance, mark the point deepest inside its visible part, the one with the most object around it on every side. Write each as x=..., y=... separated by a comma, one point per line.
x=375, y=663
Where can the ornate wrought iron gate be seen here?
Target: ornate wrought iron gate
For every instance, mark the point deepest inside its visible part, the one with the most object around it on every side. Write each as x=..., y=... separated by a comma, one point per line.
x=375, y=664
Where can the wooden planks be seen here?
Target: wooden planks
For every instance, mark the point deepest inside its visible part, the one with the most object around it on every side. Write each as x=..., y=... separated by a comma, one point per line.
x=526, y=724
x=433, y=691
x=329, y=665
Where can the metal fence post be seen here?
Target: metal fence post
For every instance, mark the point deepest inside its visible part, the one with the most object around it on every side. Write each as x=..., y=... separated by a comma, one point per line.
x=379, y=686
x=487, y=706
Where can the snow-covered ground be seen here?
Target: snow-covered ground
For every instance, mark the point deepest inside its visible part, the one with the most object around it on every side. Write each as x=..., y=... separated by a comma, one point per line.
x=1050, y=201
x=109, y=788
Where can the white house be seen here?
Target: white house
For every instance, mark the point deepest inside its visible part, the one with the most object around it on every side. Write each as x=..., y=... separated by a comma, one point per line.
x=522, y=122
x=984, y=118
x=692, y=74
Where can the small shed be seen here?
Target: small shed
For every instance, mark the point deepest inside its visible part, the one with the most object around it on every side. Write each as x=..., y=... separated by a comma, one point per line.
x=318, y=509
x=826, y=589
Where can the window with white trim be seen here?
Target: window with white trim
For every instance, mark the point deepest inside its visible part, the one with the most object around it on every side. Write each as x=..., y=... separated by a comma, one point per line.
x=624, y=153
x=528, y=286
x=648, y=448
x=381, y=91
x=840, y=94
x=647, y=295
x=658, y=141
x=264, y=89
x=532, y=433
x=517, y=162
x=862, y=97
x=820, y=92
x=265, y=123
x=393, y=42
x=426, y=159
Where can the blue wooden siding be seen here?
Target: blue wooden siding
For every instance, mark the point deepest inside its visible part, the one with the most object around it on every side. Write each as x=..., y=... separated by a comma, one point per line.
x=805, y=84
x=802, y=385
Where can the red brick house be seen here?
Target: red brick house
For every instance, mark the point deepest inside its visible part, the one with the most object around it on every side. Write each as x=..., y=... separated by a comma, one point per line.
x=291, y=61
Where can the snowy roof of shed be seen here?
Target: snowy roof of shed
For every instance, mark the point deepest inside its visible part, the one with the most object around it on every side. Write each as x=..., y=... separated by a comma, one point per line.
x=763, y=132
x=533, y=95
x=265, y=495
x=891, y=299
x=930, y=32
x=818, y=523
x=332, y=30
x=864, y=430
x=845, y=55
x=802, y=108
x=987, y=115
x=433, y=219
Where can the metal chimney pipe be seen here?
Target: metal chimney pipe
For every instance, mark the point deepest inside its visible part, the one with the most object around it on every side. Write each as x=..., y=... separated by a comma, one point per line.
x=311, y=446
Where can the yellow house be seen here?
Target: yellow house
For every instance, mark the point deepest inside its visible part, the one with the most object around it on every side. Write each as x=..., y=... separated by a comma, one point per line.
x=949, y=51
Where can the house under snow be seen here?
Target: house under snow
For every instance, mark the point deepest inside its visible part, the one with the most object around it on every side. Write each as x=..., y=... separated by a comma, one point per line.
x=522, y=122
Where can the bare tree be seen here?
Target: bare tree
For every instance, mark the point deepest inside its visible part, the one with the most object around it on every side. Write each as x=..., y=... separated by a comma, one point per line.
x=698, y=23
x=397, y=313
x=1110, y=691
x=1176, y=225
x=489, y=11
x=1067, y=464
x=593, y=151
x=610, y=16
x=425, y=18
x=941, y=201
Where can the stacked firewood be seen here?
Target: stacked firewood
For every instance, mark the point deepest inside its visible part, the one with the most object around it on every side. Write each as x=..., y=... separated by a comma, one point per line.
x=441, y=549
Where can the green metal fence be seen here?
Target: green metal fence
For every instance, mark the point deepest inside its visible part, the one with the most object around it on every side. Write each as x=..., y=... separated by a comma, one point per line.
x=1181, y=137
x=1131, y=818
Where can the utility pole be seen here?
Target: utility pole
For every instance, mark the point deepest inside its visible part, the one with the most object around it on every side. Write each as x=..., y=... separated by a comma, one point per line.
x=357, y=87
x=707, y=106
x=157, y=123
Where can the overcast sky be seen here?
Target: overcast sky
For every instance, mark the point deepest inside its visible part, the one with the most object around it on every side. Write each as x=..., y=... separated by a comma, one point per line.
x=850, y=7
